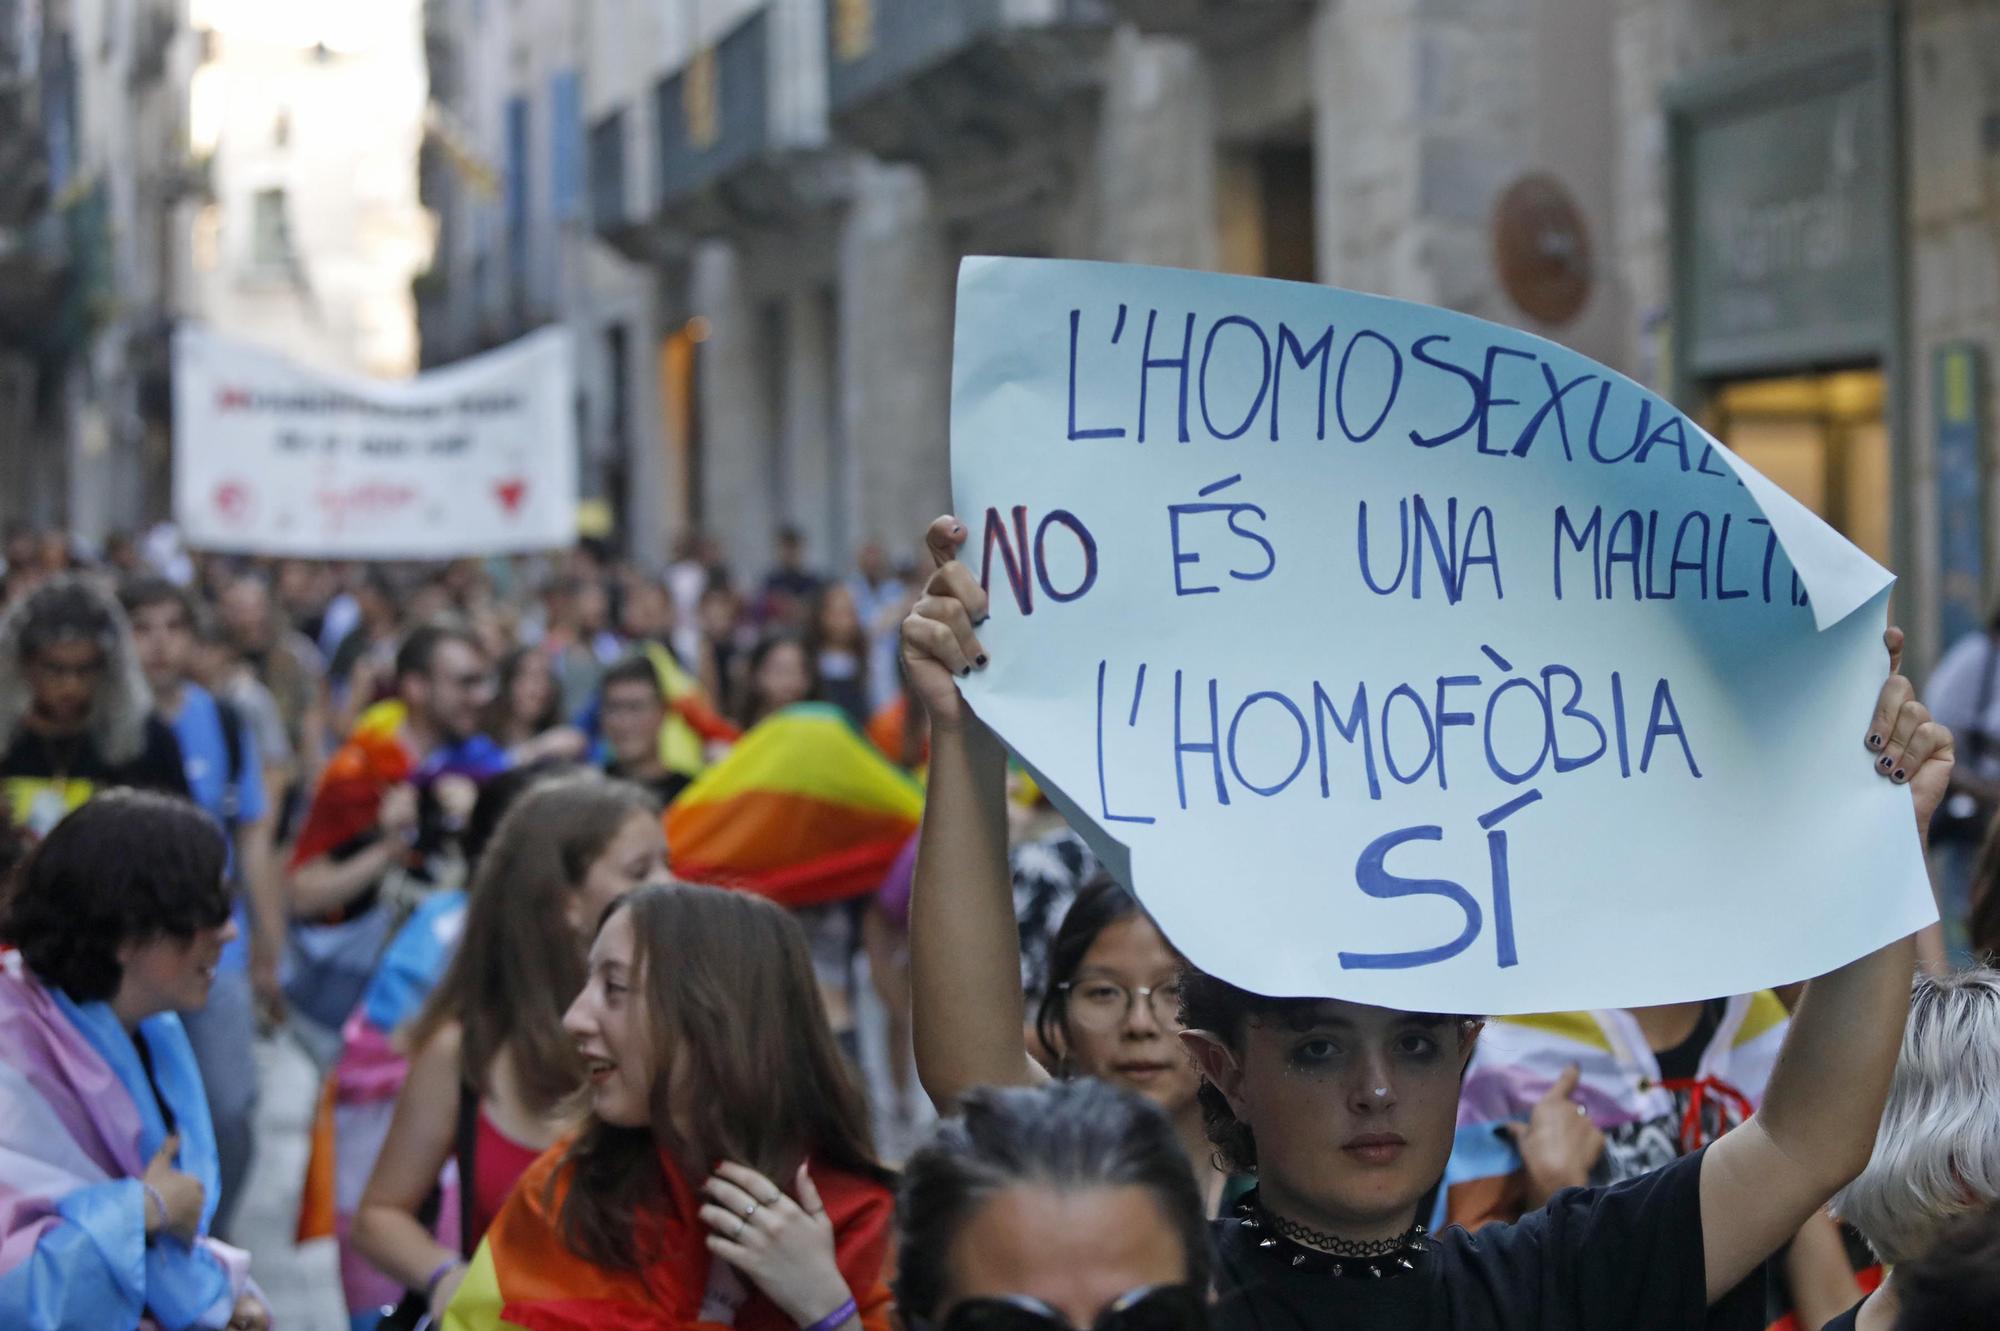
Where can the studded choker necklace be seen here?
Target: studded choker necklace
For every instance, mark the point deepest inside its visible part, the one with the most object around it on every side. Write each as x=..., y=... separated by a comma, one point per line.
x=1307, y=1249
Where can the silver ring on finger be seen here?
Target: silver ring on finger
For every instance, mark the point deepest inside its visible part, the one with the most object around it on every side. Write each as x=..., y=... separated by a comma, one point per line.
x=1581, y=1112
x=751, y=1211
x=741, y=1225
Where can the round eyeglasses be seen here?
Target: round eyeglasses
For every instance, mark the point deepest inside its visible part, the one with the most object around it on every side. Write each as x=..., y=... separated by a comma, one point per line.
x=1103, y=1006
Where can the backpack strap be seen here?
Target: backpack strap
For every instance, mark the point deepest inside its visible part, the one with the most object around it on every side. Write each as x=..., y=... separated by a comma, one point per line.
x=231, y=721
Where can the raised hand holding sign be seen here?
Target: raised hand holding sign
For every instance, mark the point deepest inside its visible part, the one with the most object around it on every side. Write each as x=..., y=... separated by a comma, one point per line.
x=1377, y=646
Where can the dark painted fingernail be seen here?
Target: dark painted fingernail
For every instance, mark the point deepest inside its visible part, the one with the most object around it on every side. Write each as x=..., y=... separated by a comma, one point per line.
x=957, y=529
x=1883, y=762
x=981, y=662
x=1874, y=741
x=981, y=620
x=1898, y=775
x=966, y=671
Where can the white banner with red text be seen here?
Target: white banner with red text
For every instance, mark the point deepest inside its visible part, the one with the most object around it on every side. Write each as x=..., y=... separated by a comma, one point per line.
x=272, y=457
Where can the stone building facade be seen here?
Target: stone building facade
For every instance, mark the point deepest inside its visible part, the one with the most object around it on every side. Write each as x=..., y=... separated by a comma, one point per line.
x=93, y=136
x=1786, y=216
x=504, y=170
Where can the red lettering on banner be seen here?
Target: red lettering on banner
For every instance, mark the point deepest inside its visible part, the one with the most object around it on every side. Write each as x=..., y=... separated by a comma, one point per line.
x=370, y=499
x=232, y=502
x=510, y=493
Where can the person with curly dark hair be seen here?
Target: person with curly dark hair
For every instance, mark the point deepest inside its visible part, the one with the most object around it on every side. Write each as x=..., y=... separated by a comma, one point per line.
x=109, y=1176
x=75, y=711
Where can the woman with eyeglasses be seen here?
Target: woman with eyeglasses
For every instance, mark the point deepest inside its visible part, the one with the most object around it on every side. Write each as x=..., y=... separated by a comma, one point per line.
x=1112, y=1011
x=1109, y=1008
x=1055, y=1208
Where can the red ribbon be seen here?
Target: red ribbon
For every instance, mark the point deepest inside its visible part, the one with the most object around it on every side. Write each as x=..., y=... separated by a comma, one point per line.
x=1731, y=1105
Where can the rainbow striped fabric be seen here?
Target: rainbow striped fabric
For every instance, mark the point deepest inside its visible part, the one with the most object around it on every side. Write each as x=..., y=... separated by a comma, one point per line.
x=524, y=1278
x=804, y=810
x=692, y=721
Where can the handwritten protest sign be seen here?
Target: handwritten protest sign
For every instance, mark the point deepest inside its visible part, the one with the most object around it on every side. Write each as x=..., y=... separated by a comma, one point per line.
x=271, y=457
x=1397, y=656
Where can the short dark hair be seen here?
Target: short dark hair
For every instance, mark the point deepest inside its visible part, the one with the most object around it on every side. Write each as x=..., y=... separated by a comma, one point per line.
x=1067, y=1135
x=145, y=590
x=1223, y=1010
x=1956, y=1285
x=418, y=654
x=634, y=669
x=127, y=866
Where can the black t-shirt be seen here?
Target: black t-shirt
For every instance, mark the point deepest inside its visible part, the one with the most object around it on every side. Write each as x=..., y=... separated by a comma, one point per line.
x=1684, y=1059
x=42, y=778
x=1627, y=1256
x=1847, y=1321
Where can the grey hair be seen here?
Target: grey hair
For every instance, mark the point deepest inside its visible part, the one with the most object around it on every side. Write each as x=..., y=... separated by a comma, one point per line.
x=68, y=607
x=1937, y=1152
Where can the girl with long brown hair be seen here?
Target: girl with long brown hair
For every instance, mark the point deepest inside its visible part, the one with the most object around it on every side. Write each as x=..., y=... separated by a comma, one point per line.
x=491, y=1065
x=723, y=1171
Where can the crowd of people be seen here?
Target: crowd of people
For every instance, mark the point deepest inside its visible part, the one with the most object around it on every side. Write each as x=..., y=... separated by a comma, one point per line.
x=597, y=895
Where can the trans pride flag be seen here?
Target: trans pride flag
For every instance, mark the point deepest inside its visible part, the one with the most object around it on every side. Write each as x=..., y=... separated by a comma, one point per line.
x=78, y=1123
x=804, y=810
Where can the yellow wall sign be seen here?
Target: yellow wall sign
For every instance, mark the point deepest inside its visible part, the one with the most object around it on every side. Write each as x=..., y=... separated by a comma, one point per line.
x=701, y=100
x=853, y=28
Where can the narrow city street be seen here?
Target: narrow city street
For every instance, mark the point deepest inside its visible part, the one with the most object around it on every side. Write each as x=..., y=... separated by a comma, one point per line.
x=303, y=1281
x=999, y=665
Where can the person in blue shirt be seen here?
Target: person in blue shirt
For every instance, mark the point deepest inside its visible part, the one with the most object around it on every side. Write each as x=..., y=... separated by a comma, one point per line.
x=225, y=777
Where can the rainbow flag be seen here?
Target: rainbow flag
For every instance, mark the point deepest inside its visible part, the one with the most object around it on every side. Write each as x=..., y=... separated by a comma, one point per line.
x=372, y=759
x=523, y=1278
x=692, y=723
x=804, y=810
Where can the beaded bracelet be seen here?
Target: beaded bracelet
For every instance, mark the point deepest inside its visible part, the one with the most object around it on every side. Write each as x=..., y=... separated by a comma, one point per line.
x=835, y=1319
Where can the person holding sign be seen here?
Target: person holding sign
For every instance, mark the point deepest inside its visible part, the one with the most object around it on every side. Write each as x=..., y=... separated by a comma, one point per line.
x=1346, y=1112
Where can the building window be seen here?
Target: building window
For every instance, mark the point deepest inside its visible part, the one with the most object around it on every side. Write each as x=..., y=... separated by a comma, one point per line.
x=1265, y=209
x=518, y=199
x=1823, y=438
x=270, y=235
x=567, y=150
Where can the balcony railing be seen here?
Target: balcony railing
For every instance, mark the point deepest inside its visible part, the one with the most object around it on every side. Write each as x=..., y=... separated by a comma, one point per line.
x=712, y=117
x=921, y=81
x=720, y=158
x=1220, y=23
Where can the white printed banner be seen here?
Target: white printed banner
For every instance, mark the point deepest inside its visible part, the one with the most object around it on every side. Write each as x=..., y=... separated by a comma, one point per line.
x=477, y=458
x=1396, y=656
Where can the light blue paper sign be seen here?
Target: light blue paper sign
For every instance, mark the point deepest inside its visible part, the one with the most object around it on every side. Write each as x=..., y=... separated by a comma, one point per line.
x=1392, y=655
